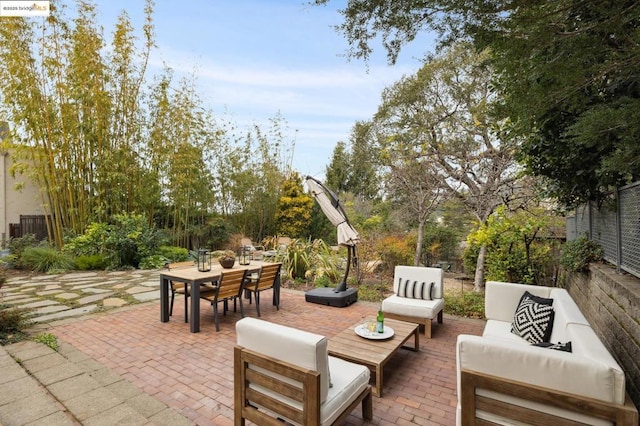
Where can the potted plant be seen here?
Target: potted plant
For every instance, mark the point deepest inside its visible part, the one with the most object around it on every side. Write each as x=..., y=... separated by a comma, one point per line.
x=227, y=259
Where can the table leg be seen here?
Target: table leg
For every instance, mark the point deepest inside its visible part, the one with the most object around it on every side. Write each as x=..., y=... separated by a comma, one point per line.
x=416, y=341
x=377, y=389
x=164, y=299
x=194, y=322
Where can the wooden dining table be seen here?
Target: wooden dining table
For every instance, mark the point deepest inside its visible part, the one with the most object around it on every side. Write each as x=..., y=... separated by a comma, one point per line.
x=194, y=278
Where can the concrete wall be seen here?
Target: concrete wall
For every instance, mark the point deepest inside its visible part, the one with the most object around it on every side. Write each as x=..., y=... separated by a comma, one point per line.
x=611, y=303
x=13, y=202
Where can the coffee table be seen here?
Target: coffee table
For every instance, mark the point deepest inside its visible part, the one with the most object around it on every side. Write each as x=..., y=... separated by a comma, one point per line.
x=374, y=353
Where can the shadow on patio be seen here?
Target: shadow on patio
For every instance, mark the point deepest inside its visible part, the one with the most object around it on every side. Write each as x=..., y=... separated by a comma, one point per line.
x=167, y=362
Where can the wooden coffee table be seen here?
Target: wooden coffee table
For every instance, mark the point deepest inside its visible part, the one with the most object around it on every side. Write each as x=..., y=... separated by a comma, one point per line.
x=374, y=353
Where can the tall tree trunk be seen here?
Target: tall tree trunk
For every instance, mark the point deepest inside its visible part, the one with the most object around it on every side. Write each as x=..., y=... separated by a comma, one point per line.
x=478, y=282
x=416, y=259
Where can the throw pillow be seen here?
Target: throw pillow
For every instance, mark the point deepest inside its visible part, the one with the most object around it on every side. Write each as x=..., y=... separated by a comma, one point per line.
x=566, y=347
x=415, y=290
x=533, y=320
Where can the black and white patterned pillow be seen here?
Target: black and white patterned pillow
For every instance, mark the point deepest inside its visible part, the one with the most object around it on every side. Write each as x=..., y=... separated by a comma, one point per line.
x=415, y=290
x=533, y=319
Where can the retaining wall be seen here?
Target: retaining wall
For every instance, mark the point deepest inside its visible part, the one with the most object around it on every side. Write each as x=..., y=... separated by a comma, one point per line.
x=611, y=303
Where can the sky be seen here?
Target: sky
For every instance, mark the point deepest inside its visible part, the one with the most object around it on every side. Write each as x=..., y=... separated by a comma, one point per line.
x=256, y=59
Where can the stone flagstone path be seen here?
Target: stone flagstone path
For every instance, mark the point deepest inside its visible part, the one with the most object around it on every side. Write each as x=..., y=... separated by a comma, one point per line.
x=52, y=297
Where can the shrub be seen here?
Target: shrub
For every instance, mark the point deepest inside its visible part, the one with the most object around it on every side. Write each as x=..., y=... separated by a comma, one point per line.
x=45, y=259
x=155, y=261
x=92, y=262
x=17, y=245
x=124, y=242
x=12, y=322
x=467, y=304
x=174, y=254
x=395, y=251
x=577, y=254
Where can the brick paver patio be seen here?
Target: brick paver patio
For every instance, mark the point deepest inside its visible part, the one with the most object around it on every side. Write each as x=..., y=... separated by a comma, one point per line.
x=193, y=373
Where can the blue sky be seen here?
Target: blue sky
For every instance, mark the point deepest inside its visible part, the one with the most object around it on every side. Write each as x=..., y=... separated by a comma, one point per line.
x=254, y=59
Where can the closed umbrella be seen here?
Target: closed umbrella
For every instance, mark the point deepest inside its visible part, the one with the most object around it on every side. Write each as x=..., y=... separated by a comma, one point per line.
x=331, y=207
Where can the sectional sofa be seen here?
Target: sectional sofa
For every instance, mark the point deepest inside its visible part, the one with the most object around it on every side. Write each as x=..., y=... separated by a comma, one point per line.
x=520, y=371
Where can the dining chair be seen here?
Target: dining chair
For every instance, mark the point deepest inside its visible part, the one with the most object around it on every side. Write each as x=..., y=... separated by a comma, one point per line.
x=229, y=287
x=182, y=288
x=266, y=280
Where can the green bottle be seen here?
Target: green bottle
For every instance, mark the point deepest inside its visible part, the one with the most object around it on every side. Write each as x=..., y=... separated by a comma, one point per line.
x=380, y=322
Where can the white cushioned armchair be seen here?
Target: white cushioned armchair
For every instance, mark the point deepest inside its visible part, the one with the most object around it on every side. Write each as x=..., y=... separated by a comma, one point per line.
x=282, y=373
x=418, y=296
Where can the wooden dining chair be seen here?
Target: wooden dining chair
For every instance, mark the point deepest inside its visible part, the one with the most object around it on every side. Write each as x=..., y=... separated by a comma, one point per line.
x=229, y=287
x=183, y=288
x=266, y=280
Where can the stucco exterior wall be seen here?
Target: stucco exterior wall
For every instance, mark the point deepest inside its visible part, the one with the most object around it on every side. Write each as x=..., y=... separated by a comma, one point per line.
x=14, y=203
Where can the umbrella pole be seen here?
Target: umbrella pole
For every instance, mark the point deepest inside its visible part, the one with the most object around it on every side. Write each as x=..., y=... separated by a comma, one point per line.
x=343, y=285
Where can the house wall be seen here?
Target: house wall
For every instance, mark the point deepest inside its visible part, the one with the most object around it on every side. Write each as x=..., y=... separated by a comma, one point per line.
x=611, y=303
x=13, y=202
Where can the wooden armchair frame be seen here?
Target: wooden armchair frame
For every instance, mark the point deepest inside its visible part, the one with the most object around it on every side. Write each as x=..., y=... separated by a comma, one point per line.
x=247, y=397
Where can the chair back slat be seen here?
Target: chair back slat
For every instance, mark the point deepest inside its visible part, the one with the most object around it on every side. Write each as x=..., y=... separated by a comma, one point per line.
x=268, y=276
x=230, y=284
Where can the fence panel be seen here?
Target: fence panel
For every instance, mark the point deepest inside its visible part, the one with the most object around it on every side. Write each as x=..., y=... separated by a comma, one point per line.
x=630, y=228
x=617, y=230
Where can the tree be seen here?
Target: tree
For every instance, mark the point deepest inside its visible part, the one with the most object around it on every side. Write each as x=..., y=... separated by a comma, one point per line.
x=338, y=172
x=568, y=72
x=413, y=186
x=294, y=209
x=440, y=117
x=76, y=112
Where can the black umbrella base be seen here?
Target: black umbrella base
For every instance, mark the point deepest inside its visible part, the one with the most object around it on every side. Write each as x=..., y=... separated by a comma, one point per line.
x=327, y=296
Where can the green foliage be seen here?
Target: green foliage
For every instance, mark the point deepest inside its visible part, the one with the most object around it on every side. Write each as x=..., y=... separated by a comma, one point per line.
x=309, y=260
x=48, y=339
x=45, y=259
x=17, y=245
x=577, y=254
x=174, y=254
x=92, y=262
x=322, y=281
x=92, y=242
x=566, y=70
x=124, y=241
x=294, y=209
x=130, y=239
x=515, y=251
x=155, y=261
x=439, y=243
x=12, y=323
x=466, y=304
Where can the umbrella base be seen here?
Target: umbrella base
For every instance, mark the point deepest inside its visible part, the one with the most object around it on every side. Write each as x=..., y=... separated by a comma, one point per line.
x=327, y=296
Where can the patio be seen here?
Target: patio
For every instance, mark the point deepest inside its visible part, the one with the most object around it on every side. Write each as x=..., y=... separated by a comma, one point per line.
x=166, y=361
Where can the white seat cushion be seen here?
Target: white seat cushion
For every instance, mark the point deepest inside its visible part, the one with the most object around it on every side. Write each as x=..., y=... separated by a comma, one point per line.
x=348, y=380
x=412, y=307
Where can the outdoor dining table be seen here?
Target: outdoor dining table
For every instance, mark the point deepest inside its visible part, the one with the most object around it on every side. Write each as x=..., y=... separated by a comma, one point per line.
x=194, y=278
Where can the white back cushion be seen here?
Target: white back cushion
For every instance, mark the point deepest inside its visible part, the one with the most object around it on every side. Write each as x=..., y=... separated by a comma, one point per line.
x=501, y=299
x=298, y=347
x=420, y=274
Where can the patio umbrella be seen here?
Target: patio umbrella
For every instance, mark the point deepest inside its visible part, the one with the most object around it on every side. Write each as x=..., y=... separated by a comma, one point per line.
x=333, y=210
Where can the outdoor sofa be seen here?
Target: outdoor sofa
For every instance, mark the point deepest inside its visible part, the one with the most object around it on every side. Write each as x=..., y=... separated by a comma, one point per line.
x=504, y=379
